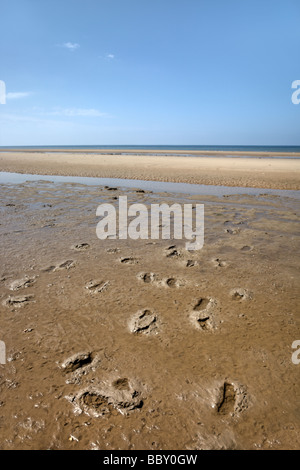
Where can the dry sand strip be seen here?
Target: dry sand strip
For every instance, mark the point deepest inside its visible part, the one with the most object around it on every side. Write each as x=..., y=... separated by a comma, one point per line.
x=279, y=173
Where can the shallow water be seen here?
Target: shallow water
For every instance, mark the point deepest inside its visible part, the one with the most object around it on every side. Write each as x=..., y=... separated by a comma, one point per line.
x=155, y=186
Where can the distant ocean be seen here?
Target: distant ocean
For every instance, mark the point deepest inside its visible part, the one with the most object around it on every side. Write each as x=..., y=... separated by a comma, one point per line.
x=151, y=148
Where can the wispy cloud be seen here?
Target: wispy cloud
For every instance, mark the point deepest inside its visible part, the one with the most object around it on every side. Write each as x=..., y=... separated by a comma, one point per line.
x=72, y=46
x=73, y=112
x=110, y=56
x=17, y=95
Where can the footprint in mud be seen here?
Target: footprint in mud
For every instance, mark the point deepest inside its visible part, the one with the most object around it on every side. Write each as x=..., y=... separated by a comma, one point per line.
x=227, y=400
x=202, y=314
x=218, y=263
x=69, y=263
x=64, y=265
x=232, y=231
x=246, y=248
x=147, y=277
x=171, y=282
x=129, y=260
x=99, y=401
x=232, y=399
x=96, y=286
x=172, y=252
x=80, y=246
x=191, y=263
x=121, y=384
x=79, y=365
x=112, y=250
x=144, y=322
x=21, y=283
x=76, y=361
x=18, y=300
x=239, y=293
x=48, y=269
x=95, y=404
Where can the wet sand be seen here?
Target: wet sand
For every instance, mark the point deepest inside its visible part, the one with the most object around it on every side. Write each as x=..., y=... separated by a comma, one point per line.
x=124, y=344
x=267, y=172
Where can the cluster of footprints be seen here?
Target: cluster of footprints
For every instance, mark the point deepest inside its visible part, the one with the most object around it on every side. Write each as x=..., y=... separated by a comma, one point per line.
x=121, y=394
x=117, y=394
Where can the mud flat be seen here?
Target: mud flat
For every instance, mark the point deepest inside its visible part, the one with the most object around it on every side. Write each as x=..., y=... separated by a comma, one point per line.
x=140, y=344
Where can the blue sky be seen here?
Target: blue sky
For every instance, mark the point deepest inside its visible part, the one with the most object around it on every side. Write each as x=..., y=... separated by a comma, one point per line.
x=156, y=72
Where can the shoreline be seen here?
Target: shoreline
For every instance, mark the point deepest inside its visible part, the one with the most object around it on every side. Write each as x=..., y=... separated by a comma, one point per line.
x=162, y=152
x=265, y=173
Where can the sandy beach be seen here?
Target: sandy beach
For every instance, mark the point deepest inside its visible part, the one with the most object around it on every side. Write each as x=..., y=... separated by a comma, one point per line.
x=267, y=172
x=141, y=344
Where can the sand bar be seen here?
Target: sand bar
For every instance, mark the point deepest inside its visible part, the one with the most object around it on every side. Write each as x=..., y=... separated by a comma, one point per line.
x=279, y=173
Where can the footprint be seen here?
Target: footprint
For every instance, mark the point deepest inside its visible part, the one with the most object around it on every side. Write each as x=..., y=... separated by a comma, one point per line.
x=121, y=384
x=65, y=265
x=232, y=231
x=144, y=322
x=190, y=263
x=232, y=399
x=227, y=401
x=172, y=252
x=48, y=269
x=80, y=246
x=171, y=282
x=202, y=314
x=246, y=248
x=129, y=260
x=99, y=402
x=96, y=286
x=239, y=293
x=201, y=304
x=76, y=361
x=18, y=300
x=21, y=283
x=112, y=250
x=147, y=277
x=219, y=263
